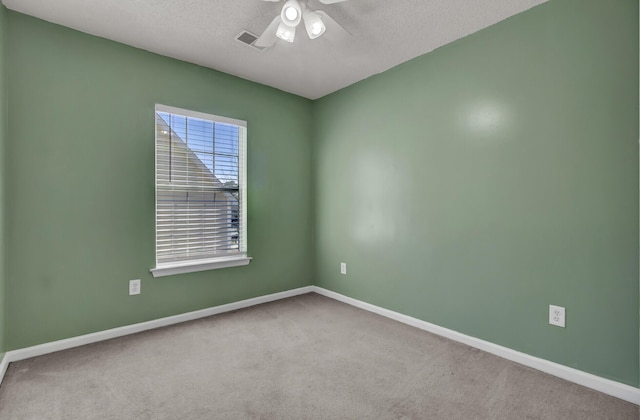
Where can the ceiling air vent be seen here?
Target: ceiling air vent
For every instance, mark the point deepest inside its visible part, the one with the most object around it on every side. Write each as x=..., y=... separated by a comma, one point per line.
x=247, y=38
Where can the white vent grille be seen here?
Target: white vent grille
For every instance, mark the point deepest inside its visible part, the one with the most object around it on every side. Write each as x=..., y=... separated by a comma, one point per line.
x=247, y=38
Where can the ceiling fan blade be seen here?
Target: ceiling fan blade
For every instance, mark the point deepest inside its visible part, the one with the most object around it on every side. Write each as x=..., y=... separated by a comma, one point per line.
x=331, y=1
x=268, y=37
x=335, y=31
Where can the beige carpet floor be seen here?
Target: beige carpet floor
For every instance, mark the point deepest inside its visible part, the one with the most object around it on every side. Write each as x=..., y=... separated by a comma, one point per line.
x=307, y=357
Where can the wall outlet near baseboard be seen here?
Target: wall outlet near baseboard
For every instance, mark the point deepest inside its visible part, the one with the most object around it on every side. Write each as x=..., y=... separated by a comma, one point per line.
x=556, y=315
x=343, y=268
x=134, y=287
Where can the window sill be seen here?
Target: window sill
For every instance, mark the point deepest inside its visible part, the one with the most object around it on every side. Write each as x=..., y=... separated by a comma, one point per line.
x=192, y=266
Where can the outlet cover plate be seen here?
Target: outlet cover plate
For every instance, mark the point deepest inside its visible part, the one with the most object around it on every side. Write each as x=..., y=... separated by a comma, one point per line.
x=556, y=316
x=343, y=268
x=134, y=287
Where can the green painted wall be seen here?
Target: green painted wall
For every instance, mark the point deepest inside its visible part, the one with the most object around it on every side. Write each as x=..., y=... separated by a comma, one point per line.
x=80, y=193
x=3, y=128
x=471, y=187
x=476, y=185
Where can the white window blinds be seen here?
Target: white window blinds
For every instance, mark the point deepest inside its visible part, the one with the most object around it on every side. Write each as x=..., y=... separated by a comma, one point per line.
x=200, y=186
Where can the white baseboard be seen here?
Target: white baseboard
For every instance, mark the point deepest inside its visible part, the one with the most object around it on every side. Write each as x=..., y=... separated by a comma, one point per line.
x=606, y=386
x=615, y=389
x=4, y=364
x=46, y=348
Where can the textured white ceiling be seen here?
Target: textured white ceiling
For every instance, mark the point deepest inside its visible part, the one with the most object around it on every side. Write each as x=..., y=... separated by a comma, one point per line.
x=384, y=33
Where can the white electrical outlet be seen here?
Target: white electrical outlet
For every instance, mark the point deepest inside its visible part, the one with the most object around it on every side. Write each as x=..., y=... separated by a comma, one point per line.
x=556, y=315
x=343, y=268
x=134, y=287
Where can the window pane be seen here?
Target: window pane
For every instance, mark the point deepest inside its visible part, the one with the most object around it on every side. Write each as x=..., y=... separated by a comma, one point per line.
x=199, y=207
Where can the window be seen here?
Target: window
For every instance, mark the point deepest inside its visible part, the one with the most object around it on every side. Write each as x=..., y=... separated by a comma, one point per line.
x=201, y=204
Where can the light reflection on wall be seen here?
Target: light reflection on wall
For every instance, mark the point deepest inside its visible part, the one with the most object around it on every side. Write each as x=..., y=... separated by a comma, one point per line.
x=378, y=192
x=487, y=119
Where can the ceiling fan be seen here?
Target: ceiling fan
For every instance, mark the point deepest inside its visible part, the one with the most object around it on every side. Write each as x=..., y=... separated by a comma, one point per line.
x=293, y=12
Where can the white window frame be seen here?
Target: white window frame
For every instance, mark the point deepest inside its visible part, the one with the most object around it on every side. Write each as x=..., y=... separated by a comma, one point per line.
x=235, y=260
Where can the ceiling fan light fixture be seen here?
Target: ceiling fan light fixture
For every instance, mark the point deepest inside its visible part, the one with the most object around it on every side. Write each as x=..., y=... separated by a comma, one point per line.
x=313, y=24
x=291, y=13
x=286, y=32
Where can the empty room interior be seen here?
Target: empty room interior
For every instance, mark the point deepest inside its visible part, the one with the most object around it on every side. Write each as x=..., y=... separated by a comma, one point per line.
x=407, y=209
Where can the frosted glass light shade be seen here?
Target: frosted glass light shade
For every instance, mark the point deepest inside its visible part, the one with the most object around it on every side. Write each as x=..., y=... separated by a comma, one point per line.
x=286, y=32
x=313, y=24
x=291, y=13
